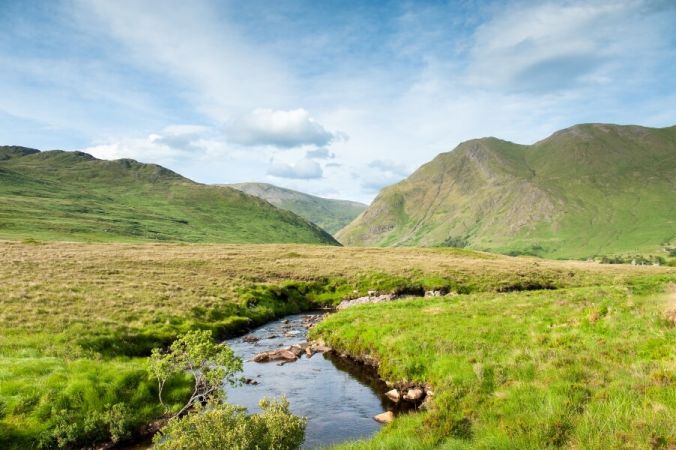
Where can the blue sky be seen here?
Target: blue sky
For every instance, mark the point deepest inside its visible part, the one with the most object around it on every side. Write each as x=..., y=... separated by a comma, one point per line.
x=335, y=98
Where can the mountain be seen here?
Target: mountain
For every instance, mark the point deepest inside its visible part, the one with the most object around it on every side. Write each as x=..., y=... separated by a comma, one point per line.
x=592, y=189
x=331, y=215
x=73, y=196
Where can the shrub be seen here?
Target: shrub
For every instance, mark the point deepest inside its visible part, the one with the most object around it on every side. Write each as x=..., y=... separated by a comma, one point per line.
x=218, y=426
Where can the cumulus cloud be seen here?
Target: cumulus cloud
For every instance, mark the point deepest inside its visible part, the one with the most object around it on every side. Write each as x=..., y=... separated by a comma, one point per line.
x=277, y=128
x=305, y=169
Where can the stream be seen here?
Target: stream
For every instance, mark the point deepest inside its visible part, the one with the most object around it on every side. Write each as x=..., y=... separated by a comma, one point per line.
x=339, y=397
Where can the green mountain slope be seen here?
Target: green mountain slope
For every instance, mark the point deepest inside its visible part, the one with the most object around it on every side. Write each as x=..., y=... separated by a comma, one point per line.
x=74, y=196
x=588, y=190
x=331, y=215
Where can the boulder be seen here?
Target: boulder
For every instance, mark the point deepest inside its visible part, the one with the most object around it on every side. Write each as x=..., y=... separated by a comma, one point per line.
x=414, y=394
x=393, y=395
x=250, y=339
x=385, y=417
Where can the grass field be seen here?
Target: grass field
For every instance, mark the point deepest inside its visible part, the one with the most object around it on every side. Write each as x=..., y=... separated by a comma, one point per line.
x=578, y=368
x=77, y=321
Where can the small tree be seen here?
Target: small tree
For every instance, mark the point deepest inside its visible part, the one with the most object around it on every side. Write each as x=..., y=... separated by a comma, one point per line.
x=210, y=364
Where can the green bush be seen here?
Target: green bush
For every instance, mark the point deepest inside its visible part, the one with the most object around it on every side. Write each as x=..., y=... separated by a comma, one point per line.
x=218, y=426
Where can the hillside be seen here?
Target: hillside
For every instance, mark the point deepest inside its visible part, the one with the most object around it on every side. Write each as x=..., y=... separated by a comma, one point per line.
x=591, y=189
x=63, y=195
x=331, y=215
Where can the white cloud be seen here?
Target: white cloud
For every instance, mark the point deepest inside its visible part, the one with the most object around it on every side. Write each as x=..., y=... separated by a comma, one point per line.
x=304, y=169
x=277, y=128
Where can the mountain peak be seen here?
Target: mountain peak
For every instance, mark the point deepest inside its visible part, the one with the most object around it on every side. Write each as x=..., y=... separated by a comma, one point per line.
x=585, y=190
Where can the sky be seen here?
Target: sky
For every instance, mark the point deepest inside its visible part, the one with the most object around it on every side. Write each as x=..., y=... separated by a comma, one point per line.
x=336, y=98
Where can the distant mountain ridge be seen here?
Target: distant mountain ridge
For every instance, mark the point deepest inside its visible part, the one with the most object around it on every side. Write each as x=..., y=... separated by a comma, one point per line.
x=62, y=195
x=591, y=189
x=330, y=214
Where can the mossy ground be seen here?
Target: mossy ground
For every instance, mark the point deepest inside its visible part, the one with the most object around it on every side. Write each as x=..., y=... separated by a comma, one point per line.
x=77, y=320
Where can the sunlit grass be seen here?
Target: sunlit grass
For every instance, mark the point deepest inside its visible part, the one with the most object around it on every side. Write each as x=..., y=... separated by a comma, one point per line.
x=584, y=368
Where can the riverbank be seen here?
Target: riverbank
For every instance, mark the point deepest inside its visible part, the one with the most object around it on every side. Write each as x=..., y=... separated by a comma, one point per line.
x=78, y=320
x=528, y=370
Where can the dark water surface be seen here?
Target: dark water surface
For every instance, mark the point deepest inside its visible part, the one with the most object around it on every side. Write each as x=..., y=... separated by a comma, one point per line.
x=338, y=397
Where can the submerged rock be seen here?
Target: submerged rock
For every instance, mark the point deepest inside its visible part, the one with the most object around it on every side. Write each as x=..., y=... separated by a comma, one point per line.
x=282, y=354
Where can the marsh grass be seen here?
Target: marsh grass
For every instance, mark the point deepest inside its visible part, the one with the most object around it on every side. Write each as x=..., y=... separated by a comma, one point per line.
x=78, y=320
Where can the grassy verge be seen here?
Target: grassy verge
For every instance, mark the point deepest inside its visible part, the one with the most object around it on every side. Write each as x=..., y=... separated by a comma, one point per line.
x=586, y=367
x=77, y=320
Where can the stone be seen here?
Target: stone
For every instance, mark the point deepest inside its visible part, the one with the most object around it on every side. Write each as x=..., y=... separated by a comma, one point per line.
x=283, y=354
x=414, y=394
x=385, y=417
x=393, y=395
x=250, y=339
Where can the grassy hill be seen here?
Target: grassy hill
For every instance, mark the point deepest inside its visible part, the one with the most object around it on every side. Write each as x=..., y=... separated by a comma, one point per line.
x=588, y=190
x=73, y=196
x=330, y=214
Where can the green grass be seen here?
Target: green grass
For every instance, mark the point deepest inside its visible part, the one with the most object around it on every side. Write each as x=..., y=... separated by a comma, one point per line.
x=590, y=190
x=78, y=319
x=582, y=368
x=72, y=196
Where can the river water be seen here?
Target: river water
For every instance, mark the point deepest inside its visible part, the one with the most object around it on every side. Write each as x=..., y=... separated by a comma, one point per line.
x=339, y=397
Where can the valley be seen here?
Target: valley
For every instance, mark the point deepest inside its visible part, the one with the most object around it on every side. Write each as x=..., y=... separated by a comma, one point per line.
x=79, y=319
